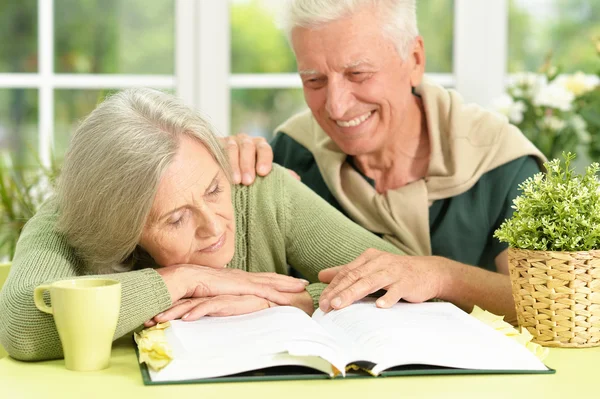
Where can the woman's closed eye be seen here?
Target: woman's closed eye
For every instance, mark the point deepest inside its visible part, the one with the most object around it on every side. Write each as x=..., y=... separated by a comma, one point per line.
x=215, y=191
x=177, y=219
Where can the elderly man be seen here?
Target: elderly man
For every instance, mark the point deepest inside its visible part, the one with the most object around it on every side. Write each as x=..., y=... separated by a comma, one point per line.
x=401, y=156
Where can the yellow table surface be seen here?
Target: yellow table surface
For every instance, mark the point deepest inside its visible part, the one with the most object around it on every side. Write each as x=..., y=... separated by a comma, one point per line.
x=577, y=375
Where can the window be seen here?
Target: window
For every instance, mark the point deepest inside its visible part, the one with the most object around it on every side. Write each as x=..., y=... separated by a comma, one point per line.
x=61, y=57
x=228, y=59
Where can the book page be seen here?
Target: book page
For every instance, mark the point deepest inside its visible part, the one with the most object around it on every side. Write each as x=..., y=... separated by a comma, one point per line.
x=218, y=346
x=431, y=333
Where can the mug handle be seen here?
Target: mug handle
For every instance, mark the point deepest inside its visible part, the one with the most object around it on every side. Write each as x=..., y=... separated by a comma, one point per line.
x=38, y=298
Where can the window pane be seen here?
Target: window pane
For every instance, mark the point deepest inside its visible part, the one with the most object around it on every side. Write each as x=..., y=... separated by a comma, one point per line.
x=18, y=30
x=436, y=25
x=18, y=125
x=258, y=111
x=114, y=36
x=257, y=45
x=70, y=107
x=564, y=28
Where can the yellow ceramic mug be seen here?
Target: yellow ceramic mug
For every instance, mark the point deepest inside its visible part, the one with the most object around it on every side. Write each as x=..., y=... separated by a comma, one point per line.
x=85, y=311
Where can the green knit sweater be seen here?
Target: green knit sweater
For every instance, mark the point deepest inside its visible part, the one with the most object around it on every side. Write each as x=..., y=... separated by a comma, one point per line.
x=279, y=222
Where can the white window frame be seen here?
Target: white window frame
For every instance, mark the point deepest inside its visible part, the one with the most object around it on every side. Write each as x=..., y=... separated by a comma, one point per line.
x=202, y=63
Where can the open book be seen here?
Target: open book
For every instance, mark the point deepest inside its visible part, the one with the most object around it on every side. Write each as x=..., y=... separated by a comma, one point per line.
x=426, y=338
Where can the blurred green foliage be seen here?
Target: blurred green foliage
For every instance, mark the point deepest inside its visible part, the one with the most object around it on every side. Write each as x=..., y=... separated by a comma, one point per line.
x=23, y=188
x=564, y=29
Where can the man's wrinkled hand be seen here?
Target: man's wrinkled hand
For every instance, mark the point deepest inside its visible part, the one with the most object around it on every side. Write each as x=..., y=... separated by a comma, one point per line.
x=412, y=278
x=248, y=157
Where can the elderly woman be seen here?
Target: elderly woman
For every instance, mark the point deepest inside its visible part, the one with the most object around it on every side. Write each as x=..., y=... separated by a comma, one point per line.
x=145, y=198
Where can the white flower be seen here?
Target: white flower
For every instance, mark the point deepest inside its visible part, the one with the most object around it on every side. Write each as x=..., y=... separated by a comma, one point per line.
x=553, y=123
x=578, y=83
x=507, y=106
x=554, y=96
x=527, y=84
x=580, y=127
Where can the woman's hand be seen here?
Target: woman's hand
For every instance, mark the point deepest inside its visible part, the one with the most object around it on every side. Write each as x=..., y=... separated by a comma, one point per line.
x=191, y=281
x=190, y=309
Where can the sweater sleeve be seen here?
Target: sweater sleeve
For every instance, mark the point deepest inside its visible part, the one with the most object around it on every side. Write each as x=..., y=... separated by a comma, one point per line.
x=43, y=256
x=319, y=237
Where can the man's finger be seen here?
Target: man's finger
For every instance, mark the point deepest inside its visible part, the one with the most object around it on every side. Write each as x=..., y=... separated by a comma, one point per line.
x=264, y=157
x=344, y=277
x=233, y=154
x=360, y=289
x=247, y=159
x=294, y=175
x=391, y=297
x=327, y=275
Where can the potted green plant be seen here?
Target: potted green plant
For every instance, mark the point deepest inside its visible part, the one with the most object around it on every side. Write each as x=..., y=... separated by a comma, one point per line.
x=554, y=255
x=22, y=190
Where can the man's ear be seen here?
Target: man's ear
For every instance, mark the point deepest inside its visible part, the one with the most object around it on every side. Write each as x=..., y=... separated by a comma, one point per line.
x=417, y=61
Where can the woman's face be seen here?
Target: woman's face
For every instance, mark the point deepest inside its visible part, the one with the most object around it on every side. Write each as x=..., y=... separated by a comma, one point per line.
x=192, y=219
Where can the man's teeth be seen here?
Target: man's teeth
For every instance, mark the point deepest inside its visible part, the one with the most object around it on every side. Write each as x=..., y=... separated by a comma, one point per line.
x=355, y=121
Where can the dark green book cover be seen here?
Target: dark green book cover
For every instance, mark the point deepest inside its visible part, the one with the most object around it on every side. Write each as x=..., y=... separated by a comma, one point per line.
x=287, y=373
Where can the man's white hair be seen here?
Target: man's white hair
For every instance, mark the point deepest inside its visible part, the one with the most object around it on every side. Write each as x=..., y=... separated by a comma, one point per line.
x=398, y=17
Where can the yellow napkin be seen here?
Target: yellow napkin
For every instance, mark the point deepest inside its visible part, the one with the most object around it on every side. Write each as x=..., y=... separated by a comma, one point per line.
x=524, y=337
x=154, y=349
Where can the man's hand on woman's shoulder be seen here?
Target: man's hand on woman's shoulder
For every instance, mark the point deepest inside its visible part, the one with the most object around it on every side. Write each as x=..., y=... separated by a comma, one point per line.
x=249, y=157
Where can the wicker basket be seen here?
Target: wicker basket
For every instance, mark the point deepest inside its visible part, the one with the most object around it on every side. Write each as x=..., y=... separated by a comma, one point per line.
x=557, y=296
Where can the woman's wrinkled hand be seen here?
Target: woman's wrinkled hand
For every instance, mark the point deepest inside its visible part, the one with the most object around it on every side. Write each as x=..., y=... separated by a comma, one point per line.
x=190, y=309
x=191, y=281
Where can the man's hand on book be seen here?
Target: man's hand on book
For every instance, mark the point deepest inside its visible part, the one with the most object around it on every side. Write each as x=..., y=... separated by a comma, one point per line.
x=412, y=278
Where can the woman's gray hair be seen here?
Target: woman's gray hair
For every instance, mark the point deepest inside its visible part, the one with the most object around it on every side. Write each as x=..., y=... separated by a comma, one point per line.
x=112, y=169
x=398, y=17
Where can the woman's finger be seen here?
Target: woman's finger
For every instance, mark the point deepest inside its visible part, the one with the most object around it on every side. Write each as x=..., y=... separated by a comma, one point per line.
x=280, y=282
x=179, y=310
x=226, y=305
